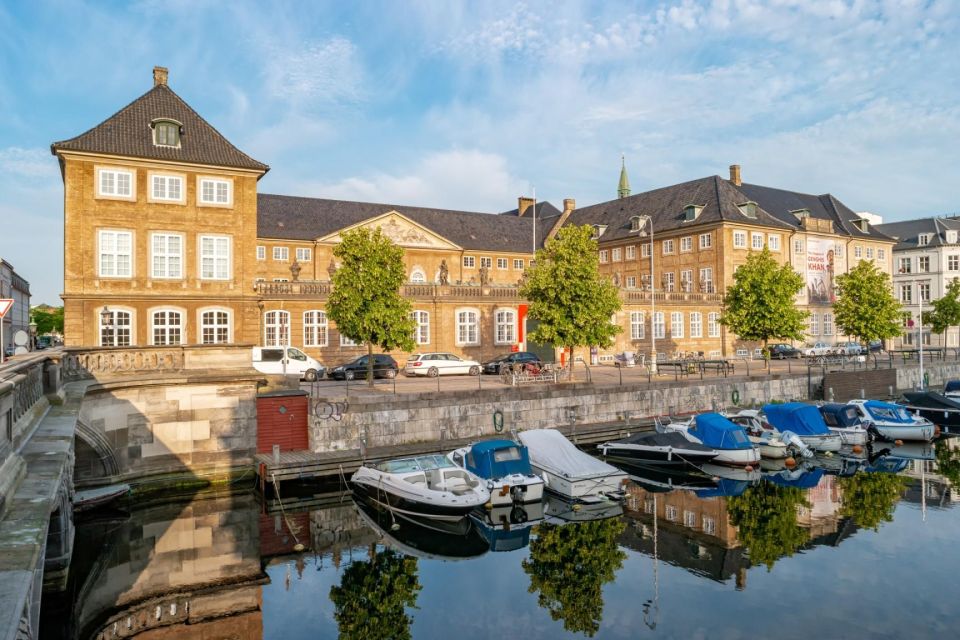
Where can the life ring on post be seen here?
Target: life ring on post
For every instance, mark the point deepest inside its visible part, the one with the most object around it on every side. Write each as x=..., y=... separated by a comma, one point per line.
x=735, y=396
x=498, y=421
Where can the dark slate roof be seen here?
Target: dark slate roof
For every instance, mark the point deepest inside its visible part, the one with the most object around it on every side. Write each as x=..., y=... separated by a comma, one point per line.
x=717, y=196
x=907, y=232
x=128, y=133
x=780, y=202
x=547, y=216
x=297, y=218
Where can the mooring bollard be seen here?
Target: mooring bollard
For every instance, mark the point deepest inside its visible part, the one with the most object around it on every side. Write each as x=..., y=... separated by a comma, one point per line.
x=276, y=455
x=831, y=395
x=863, y=394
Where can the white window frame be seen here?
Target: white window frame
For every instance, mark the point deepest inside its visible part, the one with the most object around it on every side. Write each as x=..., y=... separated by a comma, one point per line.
x=953, y=262
x=906, y=293
x=115, y=253
x=869, y=253
x=304, y=254
x=276, y=328
x=659, y=327
x=281, y=254
x=706, y=240
x=798, y=246
x=923, y=291
x=631, y=282
x=170, y=263
x=667, y=247
x=686, y=244
x=615, y=254
x=316, y=328
x=603, y=256
x=165, y=183
x=219, y=332
x=214, y=192
x=669, y=281
x=815, y=324
x=857, y=251
x=676, y=324
x=467, y=326
x=121, y=335
x=756, y=241
x=686, y=278
x=706, y=277
x=261, y=252
x=348, y=342
x=881, y=254
x=518, y=264
x=645, y=250
x=421, y=332
x=221, y=265
x=696, y=324
x=923, y=264
x=631, y=252
x=418, y=276
x=713, y=324
x=739, y=239
x=773, y=241
x=505, y=326
x=119, y=178
x=689, y=519
x=469, y=262
x=638, y=328
x=828, y=324
x=486, y=261
x=502, y=264
x=905, y=265
x=166, y=328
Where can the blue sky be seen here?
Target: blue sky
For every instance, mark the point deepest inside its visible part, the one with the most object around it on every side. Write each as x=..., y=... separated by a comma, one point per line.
x=468, y=105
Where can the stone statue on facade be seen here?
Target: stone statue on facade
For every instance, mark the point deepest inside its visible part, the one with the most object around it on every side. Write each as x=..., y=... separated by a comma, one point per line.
x=295, y=269
x=616, y=279
x=331, y=269
x=484, y=276
x=444, y=273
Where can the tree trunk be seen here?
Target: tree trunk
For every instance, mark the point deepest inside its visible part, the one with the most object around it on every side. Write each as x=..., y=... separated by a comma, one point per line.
x=370, y=364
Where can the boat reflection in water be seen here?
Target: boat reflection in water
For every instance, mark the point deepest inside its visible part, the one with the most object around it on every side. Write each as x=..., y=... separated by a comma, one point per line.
x=508, y=528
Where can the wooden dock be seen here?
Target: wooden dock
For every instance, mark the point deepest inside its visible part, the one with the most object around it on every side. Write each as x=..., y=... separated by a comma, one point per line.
x=308, y=465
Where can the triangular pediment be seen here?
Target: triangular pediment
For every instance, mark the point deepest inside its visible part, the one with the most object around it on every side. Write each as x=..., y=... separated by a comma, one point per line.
x=401, y=230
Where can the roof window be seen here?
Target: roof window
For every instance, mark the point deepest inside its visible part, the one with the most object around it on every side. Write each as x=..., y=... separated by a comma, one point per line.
x=800, y=214
x=598, y=230
x=166, y=132
x=692, y=212
x=749, y=209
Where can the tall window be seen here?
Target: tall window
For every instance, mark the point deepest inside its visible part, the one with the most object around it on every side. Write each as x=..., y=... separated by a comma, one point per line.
x=706, y=240
x=905, y=265
x=881, y=253
x=953, y=263
x=828, y=324
x=115, y=183
x=773, y=241
x=469, y=262
x=167, y=188
x=924, y=289
x=615, y=254
x=631, y=252
x=518, y=264
x=696, y=324
x=923, y=264
x=669, y=281
x=215, y=327
x=798, y=246
x=486, y=261
x=814, y=324
x=314, y=329
x=631, y=282
x=117, y=332
x=713, y=325
x=676, y=324
x=276, y=326
x=857, y=251
x=706, y=280
x=506, y=326
x=214, y=258
x=686, y=244
x=501, y=264
x=468, y=327
x=636, y=325
x=116, y=254
x=261, y=252
x=304, y=254
x=739, y=239
x=645, y=250
x=281, y=254
x=167, y=251
x=667, y=247
x=756, y=241
x=659, y=328
x=870, y=253
x=686, y=280
x=906, y=293
x=603, y=256
x=421, y=332
x=167, y=328
x=214, y=191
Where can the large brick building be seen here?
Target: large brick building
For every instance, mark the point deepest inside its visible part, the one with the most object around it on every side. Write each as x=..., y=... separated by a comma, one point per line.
x=165, y=230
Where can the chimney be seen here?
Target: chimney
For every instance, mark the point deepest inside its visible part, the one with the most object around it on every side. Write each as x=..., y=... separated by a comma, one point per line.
x=523, y=203
x=569, y=204
x=735, y=174
x=159, y=76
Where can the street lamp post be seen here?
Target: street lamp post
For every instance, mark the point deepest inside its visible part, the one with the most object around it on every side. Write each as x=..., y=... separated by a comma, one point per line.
x=648, y=222
x=106, y=322
x=920, y=332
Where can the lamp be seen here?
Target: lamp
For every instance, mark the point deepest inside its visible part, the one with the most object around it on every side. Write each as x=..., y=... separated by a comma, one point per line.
x=106, y=322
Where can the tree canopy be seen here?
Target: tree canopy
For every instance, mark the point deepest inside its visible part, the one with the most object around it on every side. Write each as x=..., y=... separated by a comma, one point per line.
x=946, y=310
x=869, y=498
x=766, y=519
x=865, y=308
x=761, y=302
x=569, y=298
x=365, y=302
x=373, y=595
x=47, y=321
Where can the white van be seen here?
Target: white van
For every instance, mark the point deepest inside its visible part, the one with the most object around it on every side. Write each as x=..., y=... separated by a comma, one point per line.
x=271, y=360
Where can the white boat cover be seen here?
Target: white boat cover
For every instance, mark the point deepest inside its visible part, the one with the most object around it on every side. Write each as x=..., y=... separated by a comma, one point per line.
x=550, y=450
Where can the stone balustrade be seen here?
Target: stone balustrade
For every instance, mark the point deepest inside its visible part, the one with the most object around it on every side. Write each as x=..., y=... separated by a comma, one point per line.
x=108, y=362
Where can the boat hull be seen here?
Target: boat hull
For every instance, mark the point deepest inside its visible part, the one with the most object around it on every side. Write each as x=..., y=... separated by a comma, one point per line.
x=823, y=443
x=924, y=432
x=770, y=450
x=851, y=436
x=657, y=457
x=382, y=496
x=738, y=457
x=515, y=489
x=583, y=489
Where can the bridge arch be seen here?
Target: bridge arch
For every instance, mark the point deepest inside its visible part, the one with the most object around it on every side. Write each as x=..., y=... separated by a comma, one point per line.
x=95, y=457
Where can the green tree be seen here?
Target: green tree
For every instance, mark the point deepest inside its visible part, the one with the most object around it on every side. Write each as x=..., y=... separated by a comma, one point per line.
x=766, y=519
x=869, y=498
x=761, y=302
x=865, y=308
x=567, y=295
x=47, y=321
x=946, y=310
x=365, y=302
x=569, y=565
x=948, y=462
x=373, y=595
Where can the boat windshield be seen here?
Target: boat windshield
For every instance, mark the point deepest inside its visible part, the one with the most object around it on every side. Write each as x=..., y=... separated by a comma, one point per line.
x=420, y=463
x=896, y=414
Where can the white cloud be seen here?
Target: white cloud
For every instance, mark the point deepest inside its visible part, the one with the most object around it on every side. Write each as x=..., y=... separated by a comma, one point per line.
x=32, y=164
x=316, y=72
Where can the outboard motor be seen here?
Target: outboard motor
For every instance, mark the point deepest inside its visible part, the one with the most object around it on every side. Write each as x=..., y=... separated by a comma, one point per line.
x=793, y=440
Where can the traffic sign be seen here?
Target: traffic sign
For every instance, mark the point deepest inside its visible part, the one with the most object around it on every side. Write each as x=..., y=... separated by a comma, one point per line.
x=5, y=305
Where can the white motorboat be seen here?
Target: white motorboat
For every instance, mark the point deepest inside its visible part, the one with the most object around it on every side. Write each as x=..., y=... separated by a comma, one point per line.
x=773, y=444
x=844, y=420
x=429, y=487
x=893, y=422
x=669, y=449
x=712, y=430
x=505, y=465
x=805, y=421
x=569, y=472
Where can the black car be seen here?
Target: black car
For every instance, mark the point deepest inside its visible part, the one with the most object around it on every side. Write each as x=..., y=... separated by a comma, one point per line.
x=508, y=359
x=782, y=351
x=384, y=366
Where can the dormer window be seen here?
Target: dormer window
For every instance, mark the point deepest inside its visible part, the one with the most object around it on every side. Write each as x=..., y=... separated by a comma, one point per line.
x=951, y=236
x=166, y=133
x=862, y=224
x=800, y=214
x=636, y=222
x=749, y=209
x=691, y=212
x=923, y=239
x=598, y=230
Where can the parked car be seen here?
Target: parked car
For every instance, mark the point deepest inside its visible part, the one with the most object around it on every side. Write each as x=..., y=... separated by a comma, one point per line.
x=782, y=351
x=818, y=349
x=273, y=360
x=850, y=348
x=384, y=366
x=508, y=359
x=435, y=364
x=875, y=346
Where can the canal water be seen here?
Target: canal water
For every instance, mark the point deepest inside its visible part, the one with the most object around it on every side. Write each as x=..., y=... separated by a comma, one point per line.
x=853, y=549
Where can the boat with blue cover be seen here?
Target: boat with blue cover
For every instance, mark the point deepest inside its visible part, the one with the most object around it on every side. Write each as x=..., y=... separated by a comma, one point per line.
x=712, y=430
x=843, y=420
x=505, y=465
x=892, y=421
x=805, y=421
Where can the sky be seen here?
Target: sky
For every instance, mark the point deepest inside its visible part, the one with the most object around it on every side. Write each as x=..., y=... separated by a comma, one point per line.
x=468, y=105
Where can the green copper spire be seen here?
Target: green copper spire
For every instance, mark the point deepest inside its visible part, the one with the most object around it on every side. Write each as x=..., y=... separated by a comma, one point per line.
x=624, y=189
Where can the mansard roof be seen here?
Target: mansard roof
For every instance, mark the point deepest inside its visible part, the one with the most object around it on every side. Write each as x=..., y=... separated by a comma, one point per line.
x=907, y=232
x=298, y=218
x=129, y=132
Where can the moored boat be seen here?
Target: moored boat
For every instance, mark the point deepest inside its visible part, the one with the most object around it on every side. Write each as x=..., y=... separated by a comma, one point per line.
x=805, y=421
x=671, y=449
x=772, y=443
x=892, y=421
x=712, y=430
x=507, y=528
x=429, y=487
x=505, y=465
x=569, y=472
x=843, y=420
x=941, y=409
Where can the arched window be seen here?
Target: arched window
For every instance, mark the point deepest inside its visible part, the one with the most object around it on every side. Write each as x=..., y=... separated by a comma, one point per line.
x=215, y=326
x=421, y=334
x=417, y=276
x=276, y=328
x=166, y=133
x=116, y=332
x=468, y=327
x=167, y=327
x=506, y=326
x=314, y=329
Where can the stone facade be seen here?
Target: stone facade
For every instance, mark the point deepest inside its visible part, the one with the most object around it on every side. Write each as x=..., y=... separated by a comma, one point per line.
x=15, y=287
